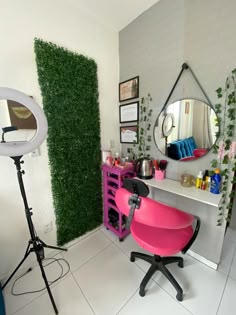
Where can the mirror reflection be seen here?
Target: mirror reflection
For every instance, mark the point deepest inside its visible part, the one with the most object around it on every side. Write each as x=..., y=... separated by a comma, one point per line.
x=19, y=118
x=186, y=130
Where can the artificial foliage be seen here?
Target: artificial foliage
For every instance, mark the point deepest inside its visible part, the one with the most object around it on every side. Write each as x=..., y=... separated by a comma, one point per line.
x=141, y=149
x=69, y=89
x=225, y=148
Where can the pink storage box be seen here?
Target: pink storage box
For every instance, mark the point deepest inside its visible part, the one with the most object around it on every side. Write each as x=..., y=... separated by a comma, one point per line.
x=159, y=174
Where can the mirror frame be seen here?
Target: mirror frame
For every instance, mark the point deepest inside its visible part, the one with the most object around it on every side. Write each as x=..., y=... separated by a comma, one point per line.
x=173, y=122
x=15, y=148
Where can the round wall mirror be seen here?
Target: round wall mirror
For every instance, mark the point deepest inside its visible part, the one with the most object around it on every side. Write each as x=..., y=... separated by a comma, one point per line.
x=186, y=130
x=23, y=125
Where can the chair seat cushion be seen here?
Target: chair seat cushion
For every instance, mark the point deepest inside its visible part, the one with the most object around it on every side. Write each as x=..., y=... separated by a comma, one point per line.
x=159, y=241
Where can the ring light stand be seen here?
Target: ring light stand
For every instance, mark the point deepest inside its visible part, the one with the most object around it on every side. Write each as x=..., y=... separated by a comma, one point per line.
x=15, y=150
x=165, y=125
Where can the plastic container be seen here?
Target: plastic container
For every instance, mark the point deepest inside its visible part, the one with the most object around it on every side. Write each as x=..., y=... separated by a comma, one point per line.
x=215, y=182
x=160, y=174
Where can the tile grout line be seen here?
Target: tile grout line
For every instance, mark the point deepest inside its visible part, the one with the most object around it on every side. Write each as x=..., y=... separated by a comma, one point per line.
x=83, y=293
x=113, y=241
x=226, y=282
x=154, y=281
x=53, y=253
x=84, y=237
x=70, y=272
x=127, y=302
x=41, y=294
x=91, y=258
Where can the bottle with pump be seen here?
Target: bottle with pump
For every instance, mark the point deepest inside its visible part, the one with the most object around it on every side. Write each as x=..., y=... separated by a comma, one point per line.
x=215, y=182
x=199, y=180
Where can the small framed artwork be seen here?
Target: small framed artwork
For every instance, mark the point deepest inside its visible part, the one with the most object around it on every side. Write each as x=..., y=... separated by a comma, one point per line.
x=129, y=134
x=129, y=89
x=129, y=112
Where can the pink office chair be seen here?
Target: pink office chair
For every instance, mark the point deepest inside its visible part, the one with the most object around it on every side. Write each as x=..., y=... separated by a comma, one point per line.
x=158, y=228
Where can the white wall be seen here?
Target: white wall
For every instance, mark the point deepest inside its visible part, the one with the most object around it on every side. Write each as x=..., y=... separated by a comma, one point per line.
x=157, y=43
x=76, y=30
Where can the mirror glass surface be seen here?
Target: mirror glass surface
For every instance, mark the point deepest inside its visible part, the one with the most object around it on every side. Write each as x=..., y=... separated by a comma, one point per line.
x=15, y=114
x=186, y=130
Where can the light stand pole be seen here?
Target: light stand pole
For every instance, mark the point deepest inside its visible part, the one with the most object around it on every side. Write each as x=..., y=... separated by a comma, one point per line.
x=35, y=244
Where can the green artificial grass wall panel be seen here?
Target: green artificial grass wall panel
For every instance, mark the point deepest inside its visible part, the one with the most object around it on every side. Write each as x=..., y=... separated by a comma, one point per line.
x=69, y=88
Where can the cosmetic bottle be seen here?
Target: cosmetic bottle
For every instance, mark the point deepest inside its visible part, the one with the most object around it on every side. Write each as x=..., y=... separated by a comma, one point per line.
x=117, y=159
x=208, y=184
x=199, y=180
x=203, y=184
x=207, y=175
x=215, y=182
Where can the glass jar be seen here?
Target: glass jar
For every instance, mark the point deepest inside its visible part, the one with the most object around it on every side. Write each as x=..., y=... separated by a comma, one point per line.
x=187, y=180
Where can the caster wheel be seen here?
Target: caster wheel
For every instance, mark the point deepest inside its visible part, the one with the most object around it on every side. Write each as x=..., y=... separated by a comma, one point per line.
x=181, y=264
x=179, y=297
x=132, y=259
x=142, y=292
x=121, y=239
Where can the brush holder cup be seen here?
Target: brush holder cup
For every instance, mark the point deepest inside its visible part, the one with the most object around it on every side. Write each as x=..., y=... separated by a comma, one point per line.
x=160, y=174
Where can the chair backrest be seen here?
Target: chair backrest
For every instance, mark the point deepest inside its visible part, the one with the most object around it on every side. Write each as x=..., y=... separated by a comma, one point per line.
x=153, y=213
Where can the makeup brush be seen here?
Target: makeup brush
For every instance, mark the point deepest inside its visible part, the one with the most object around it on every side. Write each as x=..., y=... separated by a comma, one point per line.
x=163, y=165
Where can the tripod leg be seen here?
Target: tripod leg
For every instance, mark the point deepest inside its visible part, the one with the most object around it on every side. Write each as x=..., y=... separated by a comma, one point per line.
x=52, y=247
x=46, y=282
x=27, y=252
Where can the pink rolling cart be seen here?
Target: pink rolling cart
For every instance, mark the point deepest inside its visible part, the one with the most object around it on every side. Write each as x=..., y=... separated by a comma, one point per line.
x=113, y=178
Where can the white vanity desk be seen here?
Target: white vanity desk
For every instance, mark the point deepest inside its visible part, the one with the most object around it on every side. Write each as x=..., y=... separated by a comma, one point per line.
x=208, y=245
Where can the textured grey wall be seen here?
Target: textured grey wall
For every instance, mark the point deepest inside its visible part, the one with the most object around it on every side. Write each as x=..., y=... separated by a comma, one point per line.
x=158, y=42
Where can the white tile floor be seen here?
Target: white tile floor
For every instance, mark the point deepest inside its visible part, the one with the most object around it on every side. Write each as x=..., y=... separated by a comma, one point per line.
x=103, y=281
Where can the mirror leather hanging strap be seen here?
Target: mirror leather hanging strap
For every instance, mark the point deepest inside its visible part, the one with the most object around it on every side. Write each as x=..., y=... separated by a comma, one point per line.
x=185, y=66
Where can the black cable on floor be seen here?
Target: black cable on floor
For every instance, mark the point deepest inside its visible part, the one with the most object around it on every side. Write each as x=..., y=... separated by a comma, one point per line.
x=53, y=260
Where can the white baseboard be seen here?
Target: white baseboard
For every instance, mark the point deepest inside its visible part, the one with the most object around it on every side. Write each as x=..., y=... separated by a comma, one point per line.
x=203, y=260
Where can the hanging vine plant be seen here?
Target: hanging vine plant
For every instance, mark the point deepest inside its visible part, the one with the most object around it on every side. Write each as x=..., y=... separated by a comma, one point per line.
x=144, y=129
x=226, y=147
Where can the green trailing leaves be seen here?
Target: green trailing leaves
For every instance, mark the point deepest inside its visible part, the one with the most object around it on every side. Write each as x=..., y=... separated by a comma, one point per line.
x=144, y=128
x=69, y=88
x=227, y=110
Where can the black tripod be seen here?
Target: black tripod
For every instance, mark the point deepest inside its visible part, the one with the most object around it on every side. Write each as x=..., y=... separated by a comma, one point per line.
x=35, y=243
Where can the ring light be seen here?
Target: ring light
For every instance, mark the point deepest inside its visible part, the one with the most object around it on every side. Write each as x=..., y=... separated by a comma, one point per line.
x=15, y=148
x=165, y=125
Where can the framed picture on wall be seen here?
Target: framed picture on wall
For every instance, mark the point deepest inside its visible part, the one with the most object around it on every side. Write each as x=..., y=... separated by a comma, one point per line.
x=129, y=134
x=129, y=89
x=129, y=112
